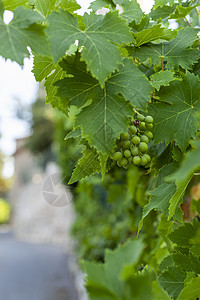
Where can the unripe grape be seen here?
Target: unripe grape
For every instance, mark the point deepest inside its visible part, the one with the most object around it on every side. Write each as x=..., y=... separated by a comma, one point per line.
x=119, y=164
x=124, y=136
x=142, y=126
x=135, y=140
x=149, y=134
x=143, y=161
x=144, y=138
x=133, y=129
x=127, y=153
x=124, y=161
x=126, y=144
x=140, y=117
x=134, y=151
x=143, y=147
x=130, y=160
x=136, y=160
x=149, y=126
x=126, y=167
x=147, y=157
x=117, y=156
x=148, y=119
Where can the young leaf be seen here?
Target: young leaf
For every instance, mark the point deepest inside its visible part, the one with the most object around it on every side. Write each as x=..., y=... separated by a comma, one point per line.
x=162, y=12
x=21, y=32
x=12, y=4
x=69, y=5
x=152, y=34
x=159, y=200
x=177, y=52
x=97, y=4
x=162, y=3
x=45, y=6
x=183, y=175
x=100, y=53
x=192, y=290
x=162, y=78
x=43, y=66
x=89, y=164
x=175, y=117
x=182, y=12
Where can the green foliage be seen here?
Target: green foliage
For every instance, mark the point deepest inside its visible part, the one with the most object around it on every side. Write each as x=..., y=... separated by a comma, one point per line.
x=125, y=63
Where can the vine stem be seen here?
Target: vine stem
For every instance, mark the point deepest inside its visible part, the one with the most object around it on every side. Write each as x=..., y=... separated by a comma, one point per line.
x=188, y=22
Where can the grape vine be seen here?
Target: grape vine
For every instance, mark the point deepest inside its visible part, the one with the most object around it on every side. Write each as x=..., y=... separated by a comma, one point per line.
x=130, y=84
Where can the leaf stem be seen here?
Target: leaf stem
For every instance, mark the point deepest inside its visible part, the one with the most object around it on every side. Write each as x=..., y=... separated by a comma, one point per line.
x=188, y=22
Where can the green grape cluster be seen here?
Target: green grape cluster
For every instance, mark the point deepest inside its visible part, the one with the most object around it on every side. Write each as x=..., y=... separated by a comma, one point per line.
x=132, y=146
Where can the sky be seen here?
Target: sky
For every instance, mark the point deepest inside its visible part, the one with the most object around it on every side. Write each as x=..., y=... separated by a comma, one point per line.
x=18, y=82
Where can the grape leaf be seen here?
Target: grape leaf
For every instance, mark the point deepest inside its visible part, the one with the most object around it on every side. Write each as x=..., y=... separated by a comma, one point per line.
x=69, y=5
x=104, y=281
x=162, y=78
x=172, y=280
x=75, y=133
x=98, y=38
x=43, y=66
x=162, y=12
x=183, y=175
x=45, y=6
x=159, y=200
x=97, y=4
x=51, y=89
x=21, y=32
x=131, y=10
x=191, y=291
x=108, y=111
x=13, y=4
x=184, y=235
x=182, y=12
x=177, y=52
x=89, y=164
x=152, y=34
x=175, y=116
x=162, y=3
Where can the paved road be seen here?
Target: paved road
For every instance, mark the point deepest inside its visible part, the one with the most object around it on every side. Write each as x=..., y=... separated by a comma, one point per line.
x=33, y=272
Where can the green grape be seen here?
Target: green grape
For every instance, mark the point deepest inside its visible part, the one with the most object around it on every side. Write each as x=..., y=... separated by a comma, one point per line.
x=135, y=140
x=149, y=134
x=134, y=151
x=144, y=138
x=133, y=129
x=126, y=167
x=117, y=156
x=130, y=160
x=127, y=153
x=147, y=157
x=126, y=144
x=148, y=119
x=124, y=136
x=142, y=126
x=149, y=126
x=143, y=147
x=140, y=117
x=143, y=161
x=136, y=160
x=124, y=161
x=119, y=164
